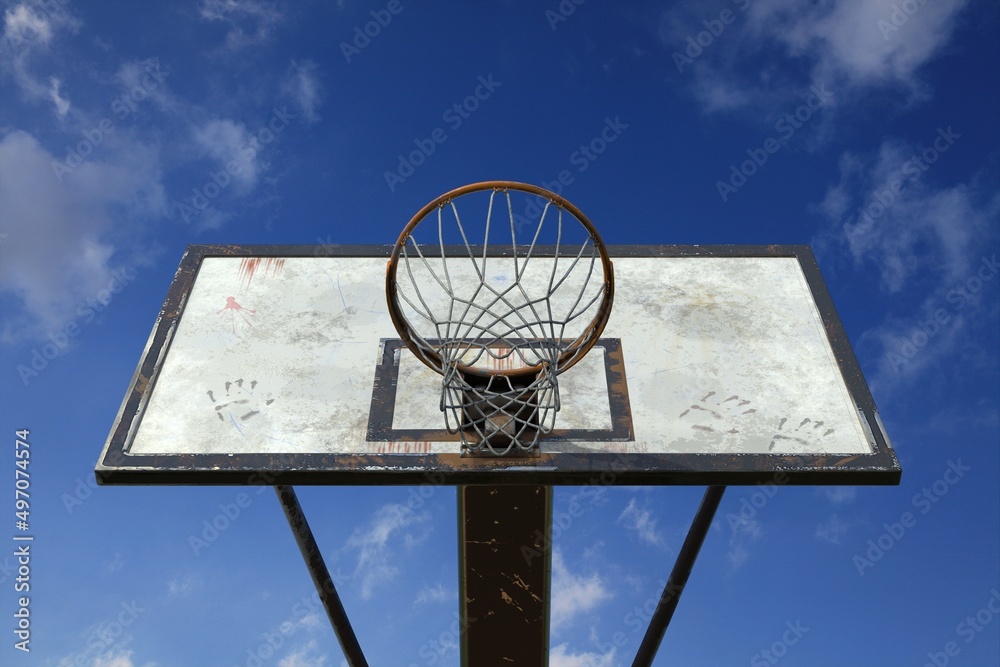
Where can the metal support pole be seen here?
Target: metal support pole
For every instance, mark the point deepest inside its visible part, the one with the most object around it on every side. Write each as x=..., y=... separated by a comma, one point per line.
x=678, y=577
x=321, y=576
x=504, y=568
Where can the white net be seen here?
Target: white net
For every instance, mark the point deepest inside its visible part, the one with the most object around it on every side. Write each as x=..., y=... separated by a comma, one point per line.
x=499, y=319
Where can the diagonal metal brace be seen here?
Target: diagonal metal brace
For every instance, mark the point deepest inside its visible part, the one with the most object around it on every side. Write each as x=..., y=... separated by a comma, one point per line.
x=678, y=577
x=321, y=576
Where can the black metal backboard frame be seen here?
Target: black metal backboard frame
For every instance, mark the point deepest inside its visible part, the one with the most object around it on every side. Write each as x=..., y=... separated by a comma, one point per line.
x=118, y=466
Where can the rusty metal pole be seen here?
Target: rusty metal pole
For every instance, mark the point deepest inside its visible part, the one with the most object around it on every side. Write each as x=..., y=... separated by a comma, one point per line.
x=505, y=563
x=321, y=576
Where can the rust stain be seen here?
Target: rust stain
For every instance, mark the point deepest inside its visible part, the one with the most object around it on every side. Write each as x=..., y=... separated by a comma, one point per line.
x=404, y=447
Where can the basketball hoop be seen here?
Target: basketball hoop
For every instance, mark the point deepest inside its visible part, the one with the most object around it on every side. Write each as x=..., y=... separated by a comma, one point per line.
x=500, y=341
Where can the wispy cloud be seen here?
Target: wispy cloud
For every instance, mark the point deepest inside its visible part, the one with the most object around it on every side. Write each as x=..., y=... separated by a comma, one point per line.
x=249, y=22
x=842, y=43
x=642, y=522
x=432, y=594
x=59, y=252
x=302, y=84
x=839, y=495
x=121, y=660
x=560, y=656
x=888, y=213
x=745, y=532
x=389, y=527
x=573, y=594
x=142, y=79
x=58, y=101
x=921, y=240
x=229, y=141
x=30, y=31
x=105, y=643
x=305, y=656
x=832, y=529
x=22, y=24
x=181, y=586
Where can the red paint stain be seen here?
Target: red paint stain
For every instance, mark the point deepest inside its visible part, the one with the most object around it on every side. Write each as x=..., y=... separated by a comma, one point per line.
x=235, y=308
x=250, y=265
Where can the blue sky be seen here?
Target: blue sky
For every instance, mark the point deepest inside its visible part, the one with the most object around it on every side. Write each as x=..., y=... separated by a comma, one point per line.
x=866, y=128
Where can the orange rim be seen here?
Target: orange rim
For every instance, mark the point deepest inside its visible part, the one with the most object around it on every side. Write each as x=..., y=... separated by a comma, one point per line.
x=573, y=353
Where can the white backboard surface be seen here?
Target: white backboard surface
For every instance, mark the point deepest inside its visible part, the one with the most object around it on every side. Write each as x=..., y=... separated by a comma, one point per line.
x=277, y=355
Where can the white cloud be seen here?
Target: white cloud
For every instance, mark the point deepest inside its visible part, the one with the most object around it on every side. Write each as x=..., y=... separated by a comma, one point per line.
x=142, y=79
x=888, y=213
x=573, y=594
x=832, y=530
x=57, y=254
x=302, y=85
x=29, y=32
x=304, y=656
x=375, y=562
x=839, y=495
x=922, y=241
x=119, y=660
x=212, y=218
x=848, y=38
x=642, y=522
x=180, y=586
x=429, y=594
x=229, y=142
x=114, y=657
x=22, y=24
x=561, y=657
x=58, y=101
x=311, y=621
x=842, y=43
x=745, y=532
x=250, y=22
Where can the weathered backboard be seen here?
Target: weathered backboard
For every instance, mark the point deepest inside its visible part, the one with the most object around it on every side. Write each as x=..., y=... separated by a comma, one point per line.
x=279, y=364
